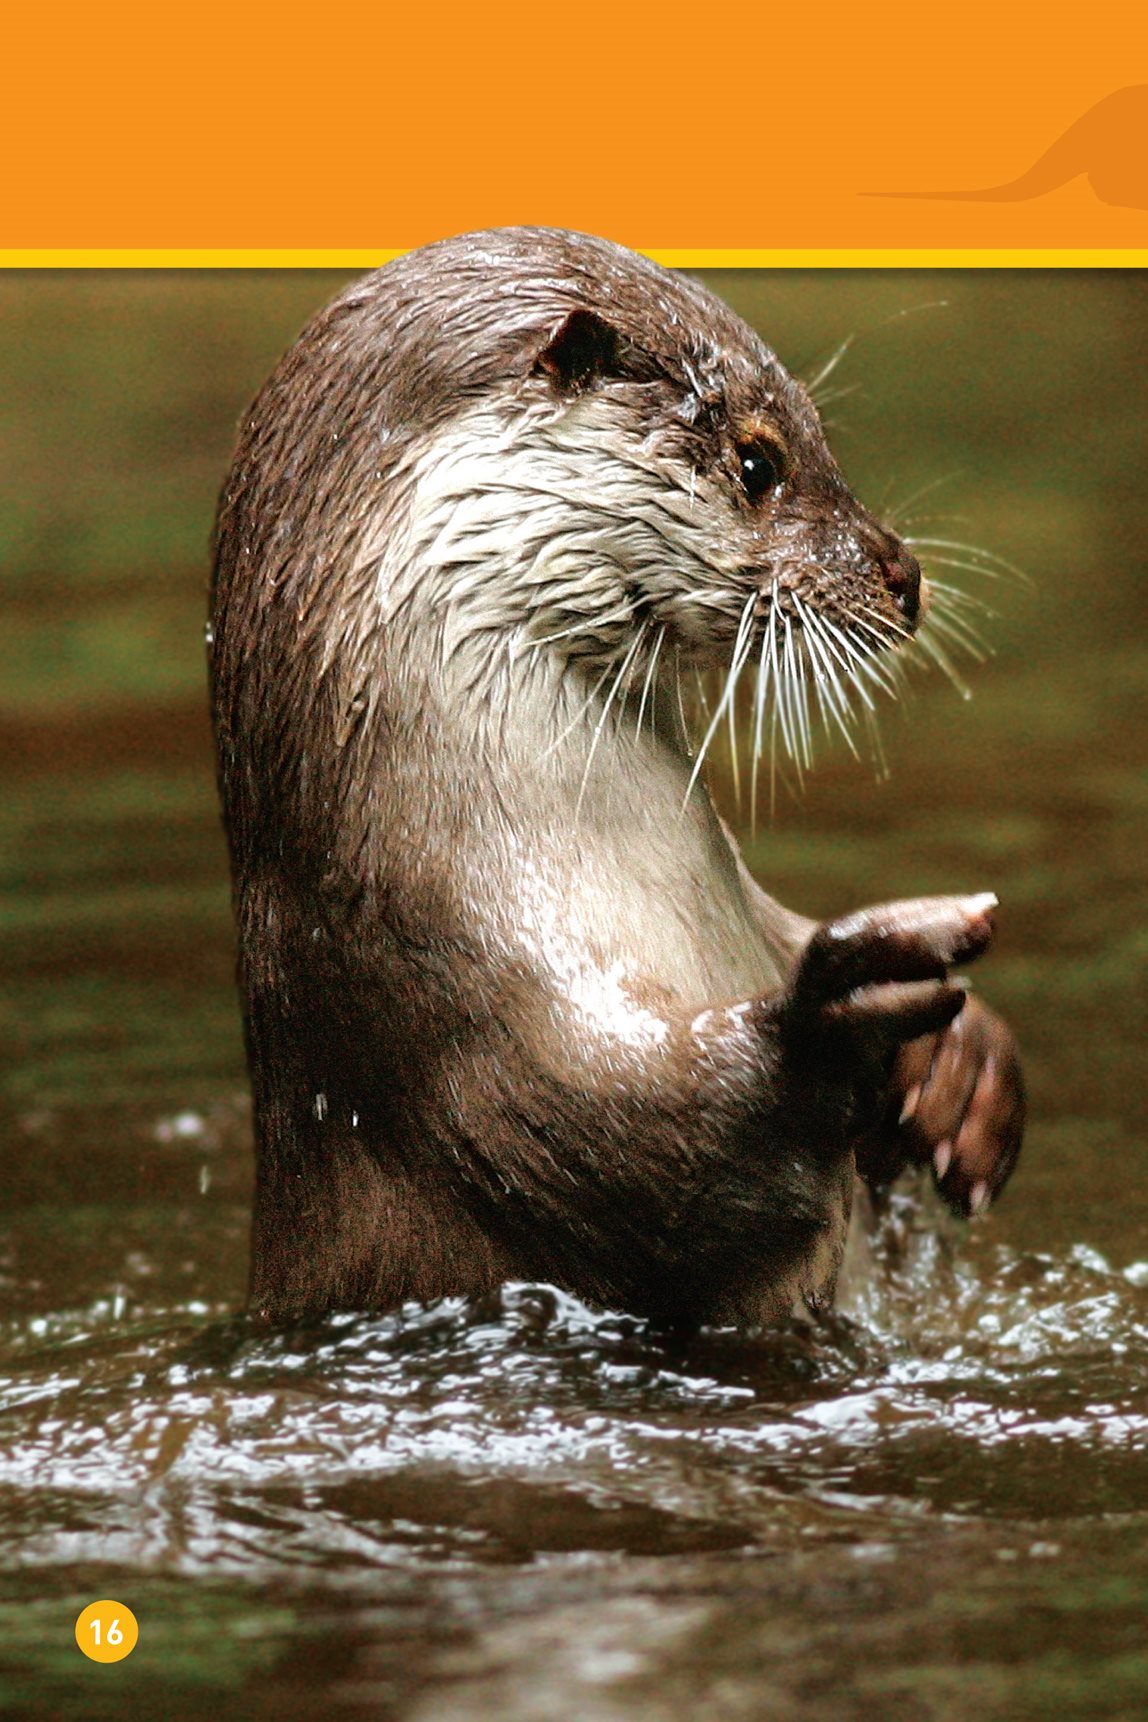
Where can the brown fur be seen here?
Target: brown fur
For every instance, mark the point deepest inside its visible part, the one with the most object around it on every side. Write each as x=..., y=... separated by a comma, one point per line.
x=435, y=1110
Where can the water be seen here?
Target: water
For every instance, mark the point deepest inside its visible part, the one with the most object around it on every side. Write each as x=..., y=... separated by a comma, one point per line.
x=934, y=1508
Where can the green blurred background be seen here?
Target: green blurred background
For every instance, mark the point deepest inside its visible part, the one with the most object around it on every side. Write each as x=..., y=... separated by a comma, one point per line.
x=1010, y=403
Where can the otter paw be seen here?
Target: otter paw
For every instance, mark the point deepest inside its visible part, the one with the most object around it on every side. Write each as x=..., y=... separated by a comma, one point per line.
x=881, y=975
x=963, y=1106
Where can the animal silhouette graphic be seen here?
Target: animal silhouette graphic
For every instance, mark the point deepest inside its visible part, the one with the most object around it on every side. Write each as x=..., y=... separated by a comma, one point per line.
x=1109, y=143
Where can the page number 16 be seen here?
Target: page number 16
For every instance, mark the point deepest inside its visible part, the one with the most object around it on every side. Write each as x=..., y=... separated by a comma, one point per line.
x=107, y=1631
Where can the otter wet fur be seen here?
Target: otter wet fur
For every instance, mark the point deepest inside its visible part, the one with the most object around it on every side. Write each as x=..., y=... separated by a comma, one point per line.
x=514, y=1007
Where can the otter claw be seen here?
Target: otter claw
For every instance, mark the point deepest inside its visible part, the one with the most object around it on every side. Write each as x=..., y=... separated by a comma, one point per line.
x=956, y=1104
x=909, y=1106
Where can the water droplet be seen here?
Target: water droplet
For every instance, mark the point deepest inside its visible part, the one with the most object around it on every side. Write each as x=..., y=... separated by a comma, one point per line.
x=182, y=1128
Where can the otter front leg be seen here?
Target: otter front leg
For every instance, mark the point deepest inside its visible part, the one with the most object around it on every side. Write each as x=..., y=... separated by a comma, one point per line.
x=955, y=1099
x=957, y=1102
x=701, y=1175
x=863, y=987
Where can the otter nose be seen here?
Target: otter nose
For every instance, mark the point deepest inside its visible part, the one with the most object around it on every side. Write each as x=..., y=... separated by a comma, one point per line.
x=902, y=574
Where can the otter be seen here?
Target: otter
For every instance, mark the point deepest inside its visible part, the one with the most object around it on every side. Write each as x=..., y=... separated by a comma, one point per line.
x=514, y=1007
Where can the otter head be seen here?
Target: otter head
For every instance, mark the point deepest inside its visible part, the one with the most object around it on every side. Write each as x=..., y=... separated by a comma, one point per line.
x=589, y=456
x=532, y=451
x=710, y=432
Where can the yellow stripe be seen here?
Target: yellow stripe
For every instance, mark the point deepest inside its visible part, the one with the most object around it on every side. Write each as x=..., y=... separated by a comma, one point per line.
x=1063, y=258
x=947, y=258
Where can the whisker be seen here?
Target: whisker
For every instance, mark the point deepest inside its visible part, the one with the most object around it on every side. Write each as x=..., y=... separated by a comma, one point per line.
x=578, y=715
x=651, y=671
x=740, y=653
x=866, y=662
x=776, y=716
x=837, y=394
x=830, y=696
x=627, y=661
x=799, y=711
x=763, y=678
x=898, y=512
x=964, y=566
x=781, y=715
x=625, y=614
x=898, y=669
x=737, y=662
x=876, y=745
x=948, y=597
x=812, y=384
x=977, y=559
x=805, y=667
x=883, y=629
x=932, y=648
x=681, y=704
x=960, y=633
x=846, y=654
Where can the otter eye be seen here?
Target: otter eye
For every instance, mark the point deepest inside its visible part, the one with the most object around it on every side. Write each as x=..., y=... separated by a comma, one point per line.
x=762, y=468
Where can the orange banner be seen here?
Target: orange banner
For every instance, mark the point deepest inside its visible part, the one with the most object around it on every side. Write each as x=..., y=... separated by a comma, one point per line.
x=357, y=130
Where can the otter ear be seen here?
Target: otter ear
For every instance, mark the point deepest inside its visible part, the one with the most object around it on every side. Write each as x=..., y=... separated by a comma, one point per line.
x=581, y=349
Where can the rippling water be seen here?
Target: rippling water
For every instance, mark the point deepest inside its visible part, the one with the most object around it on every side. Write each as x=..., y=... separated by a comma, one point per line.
x=546, y=1508
x=934, y=1507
